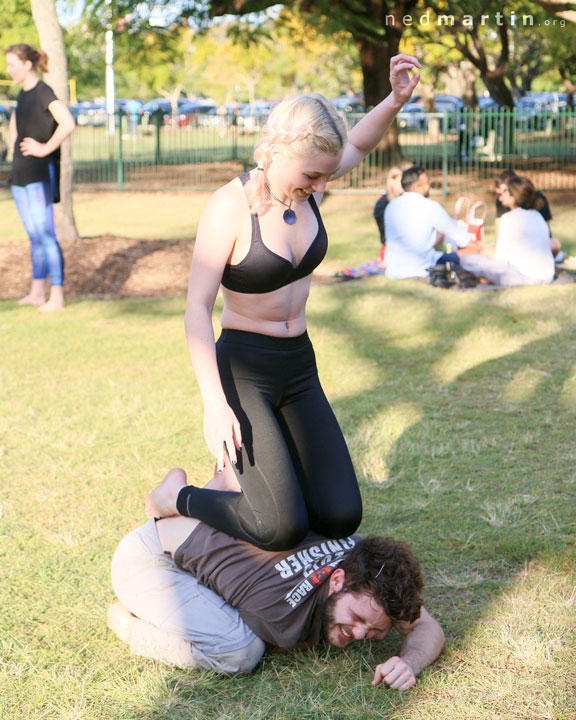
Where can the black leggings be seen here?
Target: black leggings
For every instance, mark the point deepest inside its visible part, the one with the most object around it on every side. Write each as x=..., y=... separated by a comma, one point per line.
x=294, y=467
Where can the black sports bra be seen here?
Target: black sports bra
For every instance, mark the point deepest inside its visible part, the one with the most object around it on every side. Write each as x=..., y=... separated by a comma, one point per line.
x=262, y=270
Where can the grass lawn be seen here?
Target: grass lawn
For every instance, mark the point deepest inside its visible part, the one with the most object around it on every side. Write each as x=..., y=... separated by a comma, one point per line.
x=459, y=409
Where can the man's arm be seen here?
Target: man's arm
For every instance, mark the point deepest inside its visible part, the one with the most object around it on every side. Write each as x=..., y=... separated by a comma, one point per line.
x=446, y=225
x=423, y=642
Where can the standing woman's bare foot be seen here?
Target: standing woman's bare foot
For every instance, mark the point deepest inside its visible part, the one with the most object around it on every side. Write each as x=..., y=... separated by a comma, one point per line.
x=32, y=299
x=55, y=301
x=37, y=294
x=161, y=502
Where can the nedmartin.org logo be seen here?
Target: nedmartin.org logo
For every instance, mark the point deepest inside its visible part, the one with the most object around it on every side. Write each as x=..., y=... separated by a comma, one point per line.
x=512, y=19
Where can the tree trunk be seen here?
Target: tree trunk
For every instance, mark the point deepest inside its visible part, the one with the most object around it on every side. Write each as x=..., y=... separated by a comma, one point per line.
x=569, y=86
x=52, y=42
x=496, y=85
x=375, y=53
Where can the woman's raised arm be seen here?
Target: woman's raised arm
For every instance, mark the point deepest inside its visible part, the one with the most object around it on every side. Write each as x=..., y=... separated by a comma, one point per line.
x=367, y=133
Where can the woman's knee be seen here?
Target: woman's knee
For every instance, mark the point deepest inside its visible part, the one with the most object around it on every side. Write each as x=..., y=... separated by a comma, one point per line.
x=339, y=521
x=284, y=533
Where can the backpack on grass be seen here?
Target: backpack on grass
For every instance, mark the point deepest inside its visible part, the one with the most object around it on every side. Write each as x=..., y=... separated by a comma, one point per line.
x=451, y=275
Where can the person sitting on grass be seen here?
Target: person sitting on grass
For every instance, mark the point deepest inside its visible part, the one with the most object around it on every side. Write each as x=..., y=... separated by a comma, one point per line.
x=522, y=254
x=415, y=227
x=193, y=596
x=540, y=204
x=393, y=190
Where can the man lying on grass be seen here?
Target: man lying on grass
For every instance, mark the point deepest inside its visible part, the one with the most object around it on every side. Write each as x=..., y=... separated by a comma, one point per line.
x=194, y=597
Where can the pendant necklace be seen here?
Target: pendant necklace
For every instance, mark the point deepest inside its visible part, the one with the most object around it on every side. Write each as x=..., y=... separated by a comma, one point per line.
x=289, y=216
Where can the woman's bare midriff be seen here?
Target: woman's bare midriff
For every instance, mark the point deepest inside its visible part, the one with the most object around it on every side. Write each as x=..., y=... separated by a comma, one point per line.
x=281, y=313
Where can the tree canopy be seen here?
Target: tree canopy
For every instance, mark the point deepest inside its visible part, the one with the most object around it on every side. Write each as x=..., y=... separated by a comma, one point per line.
x=235, y=49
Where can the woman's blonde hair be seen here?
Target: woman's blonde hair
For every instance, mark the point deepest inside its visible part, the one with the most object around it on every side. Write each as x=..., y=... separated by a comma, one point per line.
x=301, y=126
x=393, y=185
x=24, y=52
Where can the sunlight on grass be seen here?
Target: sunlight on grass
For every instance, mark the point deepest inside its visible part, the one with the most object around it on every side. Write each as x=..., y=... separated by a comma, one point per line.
x=514, y=663
x=459, y=410
x=479, y=346
x=569, y=389
x=376, y=437
x=524, y=384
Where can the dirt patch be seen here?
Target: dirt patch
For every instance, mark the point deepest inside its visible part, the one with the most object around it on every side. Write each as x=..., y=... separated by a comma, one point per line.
x=109, y=266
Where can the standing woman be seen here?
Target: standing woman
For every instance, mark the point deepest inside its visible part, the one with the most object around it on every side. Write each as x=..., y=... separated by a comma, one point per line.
x=260, y=237
x=37, y=128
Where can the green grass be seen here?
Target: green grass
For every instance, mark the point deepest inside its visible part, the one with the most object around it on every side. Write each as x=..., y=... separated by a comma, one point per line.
x=459, y=410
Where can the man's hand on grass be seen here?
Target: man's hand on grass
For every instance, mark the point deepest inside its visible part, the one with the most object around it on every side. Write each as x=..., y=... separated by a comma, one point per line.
x=396, y=673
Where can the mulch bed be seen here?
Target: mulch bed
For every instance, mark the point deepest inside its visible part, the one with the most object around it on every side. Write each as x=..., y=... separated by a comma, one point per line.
x=108, y=266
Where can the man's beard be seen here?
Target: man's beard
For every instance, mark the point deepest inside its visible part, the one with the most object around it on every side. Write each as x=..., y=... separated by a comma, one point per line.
x=328, y=619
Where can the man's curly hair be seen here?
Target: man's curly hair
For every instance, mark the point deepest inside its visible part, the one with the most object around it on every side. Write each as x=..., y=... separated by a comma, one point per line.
x=387, y=570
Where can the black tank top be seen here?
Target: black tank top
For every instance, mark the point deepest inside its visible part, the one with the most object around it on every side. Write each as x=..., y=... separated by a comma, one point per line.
x=262, y=270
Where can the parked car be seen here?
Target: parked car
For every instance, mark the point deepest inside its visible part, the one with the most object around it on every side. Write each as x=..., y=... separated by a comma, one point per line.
x=413, y=117
x=89, y=113
x=452, y=103
x=535, y=109
x=242, y=115
x=190, y=110
x=127, y=105
x=159, y=110
x=487, y=103
x=530, y=111
x=348, y=103
x=5, y=112
x=155, y=109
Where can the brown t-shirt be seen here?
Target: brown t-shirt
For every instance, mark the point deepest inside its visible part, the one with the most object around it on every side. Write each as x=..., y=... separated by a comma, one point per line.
x=279, y=595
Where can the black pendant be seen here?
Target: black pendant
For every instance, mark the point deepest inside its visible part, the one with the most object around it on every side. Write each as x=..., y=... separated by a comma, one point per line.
x=289, y=216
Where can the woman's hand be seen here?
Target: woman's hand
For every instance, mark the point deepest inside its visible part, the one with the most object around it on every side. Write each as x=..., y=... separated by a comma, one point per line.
x=402, y=84
x=222, y=432
x=29, y=146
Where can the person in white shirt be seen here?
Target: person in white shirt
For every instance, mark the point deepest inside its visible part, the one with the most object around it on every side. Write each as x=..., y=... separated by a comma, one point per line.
x=415, y=227
x=522, y=254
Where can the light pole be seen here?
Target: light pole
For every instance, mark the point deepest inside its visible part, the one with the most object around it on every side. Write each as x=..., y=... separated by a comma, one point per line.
x=110, y=70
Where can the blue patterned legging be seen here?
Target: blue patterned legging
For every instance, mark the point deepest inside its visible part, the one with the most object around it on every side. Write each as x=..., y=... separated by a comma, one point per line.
x=34, y=205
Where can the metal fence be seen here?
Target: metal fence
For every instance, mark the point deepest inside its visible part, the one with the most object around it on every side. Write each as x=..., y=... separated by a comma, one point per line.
x=462, y=151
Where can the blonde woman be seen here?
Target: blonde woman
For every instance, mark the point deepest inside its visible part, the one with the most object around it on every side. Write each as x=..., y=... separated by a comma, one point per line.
x=37, y=128
x=260, y=237
x=393, y=190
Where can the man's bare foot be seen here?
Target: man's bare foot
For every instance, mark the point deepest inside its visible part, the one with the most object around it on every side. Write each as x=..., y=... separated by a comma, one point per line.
x=161, y=502
x=121, y=621
x=32, y=299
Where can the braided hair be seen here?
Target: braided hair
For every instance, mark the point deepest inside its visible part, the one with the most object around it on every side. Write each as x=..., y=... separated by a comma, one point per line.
x=303, y=125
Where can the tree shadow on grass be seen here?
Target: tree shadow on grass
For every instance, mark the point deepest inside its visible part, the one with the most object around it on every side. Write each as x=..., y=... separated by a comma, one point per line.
x=479, y=479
